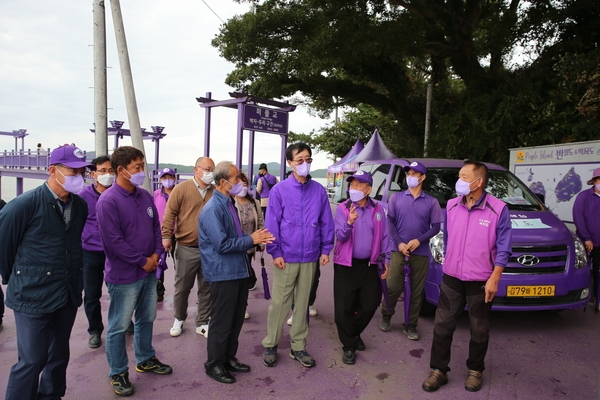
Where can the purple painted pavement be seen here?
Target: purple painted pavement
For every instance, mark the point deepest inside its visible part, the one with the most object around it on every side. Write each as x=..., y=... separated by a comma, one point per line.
x=532, y=356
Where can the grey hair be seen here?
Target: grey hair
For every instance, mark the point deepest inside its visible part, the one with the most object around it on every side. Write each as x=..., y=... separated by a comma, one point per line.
x=221, y=171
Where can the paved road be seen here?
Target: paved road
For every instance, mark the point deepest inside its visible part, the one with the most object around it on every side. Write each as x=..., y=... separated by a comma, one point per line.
x=532, y=356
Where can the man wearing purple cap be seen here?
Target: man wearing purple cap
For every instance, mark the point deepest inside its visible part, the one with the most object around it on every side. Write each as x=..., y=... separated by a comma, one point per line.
x=414, y=218
x=586, y=216
x=167, y=180
x=131, y=239
x=362, y=236
x=42, y=261
x=93, y=253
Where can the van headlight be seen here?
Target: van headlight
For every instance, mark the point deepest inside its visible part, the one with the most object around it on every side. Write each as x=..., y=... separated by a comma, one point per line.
x=580, y=253
x=436, y=245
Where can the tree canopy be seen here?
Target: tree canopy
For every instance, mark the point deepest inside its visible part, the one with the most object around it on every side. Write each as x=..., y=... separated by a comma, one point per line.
x=506, y=73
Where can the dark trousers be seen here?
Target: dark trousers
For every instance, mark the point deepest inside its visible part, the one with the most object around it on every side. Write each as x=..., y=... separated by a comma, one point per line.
x=595, y=254
x=228, y=301
x=454, y=295
x=43, y=347
x=93, y=279
x=356, y=296
x=315, y=285
x=1, y=305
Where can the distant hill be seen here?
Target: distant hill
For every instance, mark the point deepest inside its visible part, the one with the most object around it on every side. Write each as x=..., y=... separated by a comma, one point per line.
x=189, y=169
x=272, y=167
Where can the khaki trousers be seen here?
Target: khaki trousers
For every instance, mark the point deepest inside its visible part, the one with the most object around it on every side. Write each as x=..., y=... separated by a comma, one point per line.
x=291, y=283
x=187, y=271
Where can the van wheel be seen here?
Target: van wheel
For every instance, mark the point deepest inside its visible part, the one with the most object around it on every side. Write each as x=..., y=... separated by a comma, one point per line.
x=427, y=309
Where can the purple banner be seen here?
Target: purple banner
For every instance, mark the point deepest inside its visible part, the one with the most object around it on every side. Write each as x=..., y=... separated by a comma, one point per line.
x=265, y=119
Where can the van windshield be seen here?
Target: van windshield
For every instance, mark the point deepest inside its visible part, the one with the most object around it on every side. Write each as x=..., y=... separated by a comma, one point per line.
x=505, y=186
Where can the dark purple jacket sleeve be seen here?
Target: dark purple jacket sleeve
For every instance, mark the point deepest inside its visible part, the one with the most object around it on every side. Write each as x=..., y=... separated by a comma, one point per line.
x=503, y=239
x=326, y=224
x=391, y=218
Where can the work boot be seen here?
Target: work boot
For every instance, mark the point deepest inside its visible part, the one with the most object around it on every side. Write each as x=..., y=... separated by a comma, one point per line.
x=474, y=381
x=384, y=323
x=436, y=379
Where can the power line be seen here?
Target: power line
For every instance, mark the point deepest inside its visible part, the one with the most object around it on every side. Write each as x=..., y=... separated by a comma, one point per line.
x=213, y=11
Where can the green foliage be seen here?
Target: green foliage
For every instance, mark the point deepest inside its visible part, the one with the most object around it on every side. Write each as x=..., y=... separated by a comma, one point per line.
x=507, y=73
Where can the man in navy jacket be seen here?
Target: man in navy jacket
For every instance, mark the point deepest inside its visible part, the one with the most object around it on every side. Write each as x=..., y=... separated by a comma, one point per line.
x=223, y=249
x=42, y=260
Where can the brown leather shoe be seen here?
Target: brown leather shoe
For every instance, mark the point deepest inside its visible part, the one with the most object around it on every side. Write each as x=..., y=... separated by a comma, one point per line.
x=436, y=379
x=474, y=380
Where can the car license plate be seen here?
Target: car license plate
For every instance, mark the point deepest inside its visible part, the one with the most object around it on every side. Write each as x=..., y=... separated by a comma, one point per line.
x=530, y=291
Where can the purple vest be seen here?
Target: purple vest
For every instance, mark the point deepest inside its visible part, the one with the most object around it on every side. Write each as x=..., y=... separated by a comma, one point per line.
x=267, y=179
x=342, y=253
x=471, y=244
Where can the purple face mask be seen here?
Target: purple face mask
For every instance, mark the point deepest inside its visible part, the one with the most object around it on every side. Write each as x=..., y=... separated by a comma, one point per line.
x=137, y=179
x=73, y=184
x=412, y=182
x=463, y=188
x=303, y=169
x=356, y=195
x=235, y=189
x=168, y=183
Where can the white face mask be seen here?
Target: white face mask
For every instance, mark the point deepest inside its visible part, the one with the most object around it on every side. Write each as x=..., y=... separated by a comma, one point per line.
x=105, y=180
x=207, y=177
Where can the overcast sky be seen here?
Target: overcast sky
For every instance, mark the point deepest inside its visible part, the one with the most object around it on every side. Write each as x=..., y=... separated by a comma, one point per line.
x=46, y=76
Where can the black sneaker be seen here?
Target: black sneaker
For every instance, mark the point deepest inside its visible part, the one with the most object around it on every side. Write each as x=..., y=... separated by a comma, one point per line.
x=303, y=358
x=360, y=345
x=153, y=365
x=270, y=356
x=121, y=384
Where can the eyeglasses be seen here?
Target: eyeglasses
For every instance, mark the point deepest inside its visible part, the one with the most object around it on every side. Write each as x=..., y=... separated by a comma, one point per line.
x=205, y=169
x=301, y=161
x=104, y=171
x=72, y=171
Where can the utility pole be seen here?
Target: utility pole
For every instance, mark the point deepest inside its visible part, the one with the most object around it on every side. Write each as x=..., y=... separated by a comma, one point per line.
x=100, y=101
x=130, y=101
x=427, y=117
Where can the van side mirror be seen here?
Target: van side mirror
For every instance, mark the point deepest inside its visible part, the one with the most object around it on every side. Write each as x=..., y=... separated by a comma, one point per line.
x=541, y=198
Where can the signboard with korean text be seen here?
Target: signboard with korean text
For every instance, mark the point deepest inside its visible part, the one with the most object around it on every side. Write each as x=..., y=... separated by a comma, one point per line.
x=559, y=172
x=264, y=119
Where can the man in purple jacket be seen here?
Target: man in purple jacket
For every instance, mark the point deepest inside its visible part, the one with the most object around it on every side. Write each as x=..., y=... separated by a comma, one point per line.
x=586, y=216
x=300, y=219
x=362, y=237
x=477, y=239
x=131, y=239
x=93, y=253
x=414, y=217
